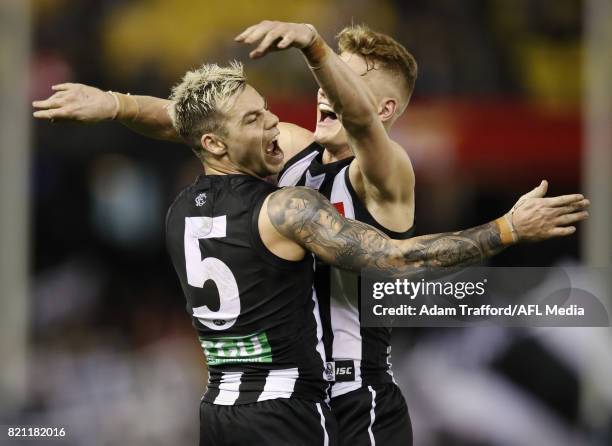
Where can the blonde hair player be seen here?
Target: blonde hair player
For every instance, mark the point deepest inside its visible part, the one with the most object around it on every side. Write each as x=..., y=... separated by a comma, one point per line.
x=363, y=90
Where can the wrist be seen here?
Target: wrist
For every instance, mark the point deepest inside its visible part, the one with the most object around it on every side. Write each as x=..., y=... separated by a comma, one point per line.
x=507, y=232
x=126, y=107
x=316, y=50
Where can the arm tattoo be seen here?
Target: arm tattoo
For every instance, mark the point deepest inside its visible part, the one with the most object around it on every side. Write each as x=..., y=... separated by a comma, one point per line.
x=306, y=217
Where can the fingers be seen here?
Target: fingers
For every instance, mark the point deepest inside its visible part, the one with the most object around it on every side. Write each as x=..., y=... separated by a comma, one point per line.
x=254, y=33
x=270, y=38
x=286, y=41
x=53, y=114
x=537, y=192
x=576, y=206
x=46, y=114
x=563, y=200
x=56, y=100
x=51, y=102
x=244, y=34
x=64, y=86
x=562, y=232
x=271, y=34
x=567, y=219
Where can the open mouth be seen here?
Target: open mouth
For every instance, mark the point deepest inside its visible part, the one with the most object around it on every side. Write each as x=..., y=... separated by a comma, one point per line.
x=327, y=115
x=273, y=150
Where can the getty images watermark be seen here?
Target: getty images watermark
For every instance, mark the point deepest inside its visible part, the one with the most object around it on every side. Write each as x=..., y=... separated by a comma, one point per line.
x=521, y=296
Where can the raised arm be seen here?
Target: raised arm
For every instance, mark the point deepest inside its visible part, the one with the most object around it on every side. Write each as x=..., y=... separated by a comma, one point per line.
x=300, y=216
x=383, y=163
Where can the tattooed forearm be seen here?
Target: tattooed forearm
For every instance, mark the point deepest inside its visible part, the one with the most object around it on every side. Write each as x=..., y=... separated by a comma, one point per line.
x=305, y=216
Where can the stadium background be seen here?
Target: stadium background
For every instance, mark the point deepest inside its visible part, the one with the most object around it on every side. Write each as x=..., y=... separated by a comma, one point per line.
x=503, y=99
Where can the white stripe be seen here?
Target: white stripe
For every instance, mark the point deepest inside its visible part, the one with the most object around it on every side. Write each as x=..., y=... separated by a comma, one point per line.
x=344, y=312
x=317, y=315
x=340, y=193
x=279, y=384
x=228, y=388
x=390, y=370
x=325, y=436
x=372, y=415
x=292, y=175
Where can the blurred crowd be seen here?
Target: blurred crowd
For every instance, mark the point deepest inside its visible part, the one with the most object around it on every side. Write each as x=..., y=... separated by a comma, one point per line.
x=113, y=355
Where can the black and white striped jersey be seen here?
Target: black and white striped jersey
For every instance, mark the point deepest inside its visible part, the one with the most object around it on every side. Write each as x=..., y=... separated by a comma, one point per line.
x=359, y=356
x=256, y=314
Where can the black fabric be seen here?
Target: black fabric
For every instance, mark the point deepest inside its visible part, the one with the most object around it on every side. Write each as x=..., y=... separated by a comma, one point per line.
x=353, y=412
x=275, y=295
x=279, y=422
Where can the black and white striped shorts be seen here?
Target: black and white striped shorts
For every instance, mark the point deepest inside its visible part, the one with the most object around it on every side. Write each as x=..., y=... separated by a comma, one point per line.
x=282, y=421
x=373, y=415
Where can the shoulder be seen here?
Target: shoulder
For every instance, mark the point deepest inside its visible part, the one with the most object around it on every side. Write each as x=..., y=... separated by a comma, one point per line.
x=179, y=199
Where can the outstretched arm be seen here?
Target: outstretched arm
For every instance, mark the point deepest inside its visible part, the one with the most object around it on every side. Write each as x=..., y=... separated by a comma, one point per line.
x=305, y=217
x=383, y=164
x=146, y=115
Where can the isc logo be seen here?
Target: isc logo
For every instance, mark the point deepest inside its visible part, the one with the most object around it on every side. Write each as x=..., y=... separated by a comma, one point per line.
x=345, y=370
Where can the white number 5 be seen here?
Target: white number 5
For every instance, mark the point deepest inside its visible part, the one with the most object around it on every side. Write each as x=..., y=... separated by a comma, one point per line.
x=211, y=268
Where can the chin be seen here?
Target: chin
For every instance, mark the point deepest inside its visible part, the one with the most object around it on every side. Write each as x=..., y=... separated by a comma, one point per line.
x=330, y=138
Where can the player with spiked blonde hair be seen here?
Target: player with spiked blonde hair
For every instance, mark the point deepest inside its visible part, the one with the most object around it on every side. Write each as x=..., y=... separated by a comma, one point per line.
x=250, y=226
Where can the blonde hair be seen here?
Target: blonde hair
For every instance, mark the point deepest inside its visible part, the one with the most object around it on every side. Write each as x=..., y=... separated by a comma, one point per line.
x=198, y=98
x=378, y=47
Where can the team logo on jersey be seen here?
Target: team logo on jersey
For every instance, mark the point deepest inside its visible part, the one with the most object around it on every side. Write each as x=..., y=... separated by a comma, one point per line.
x=345, y=371
x=200, y=200
x=329, y=374
x=339, y=207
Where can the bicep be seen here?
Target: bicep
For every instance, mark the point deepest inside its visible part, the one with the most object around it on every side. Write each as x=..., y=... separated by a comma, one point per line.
x=306, y=217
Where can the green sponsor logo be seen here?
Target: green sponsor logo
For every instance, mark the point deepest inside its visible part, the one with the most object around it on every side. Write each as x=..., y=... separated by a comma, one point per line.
x=237, y=349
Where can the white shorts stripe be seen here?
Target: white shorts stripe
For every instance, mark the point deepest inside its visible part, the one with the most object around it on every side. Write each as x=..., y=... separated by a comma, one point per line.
x=279, y=384
x=325, y=436
x=228, y=388
x=372, y=416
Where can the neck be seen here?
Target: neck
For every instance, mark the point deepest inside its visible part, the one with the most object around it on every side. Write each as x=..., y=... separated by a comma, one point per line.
x=331, y=156
x=215, y=168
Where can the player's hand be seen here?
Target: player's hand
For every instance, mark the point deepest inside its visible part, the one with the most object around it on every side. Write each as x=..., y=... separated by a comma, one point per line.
x=536, y=217
x=76, y=102
x=273, y=35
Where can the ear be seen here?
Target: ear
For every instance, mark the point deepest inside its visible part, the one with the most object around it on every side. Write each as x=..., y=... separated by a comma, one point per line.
x=213, y=144
x=387, y=109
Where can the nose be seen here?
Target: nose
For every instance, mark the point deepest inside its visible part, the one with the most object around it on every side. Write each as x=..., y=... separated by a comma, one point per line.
x=271, y=120
x=321, y=95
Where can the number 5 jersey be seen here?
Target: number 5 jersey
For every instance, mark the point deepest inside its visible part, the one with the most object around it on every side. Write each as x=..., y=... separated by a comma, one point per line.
x=256, y=314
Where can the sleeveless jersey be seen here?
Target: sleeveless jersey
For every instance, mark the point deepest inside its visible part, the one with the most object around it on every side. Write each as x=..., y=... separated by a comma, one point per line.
x=256, y=314
x=358, y=356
